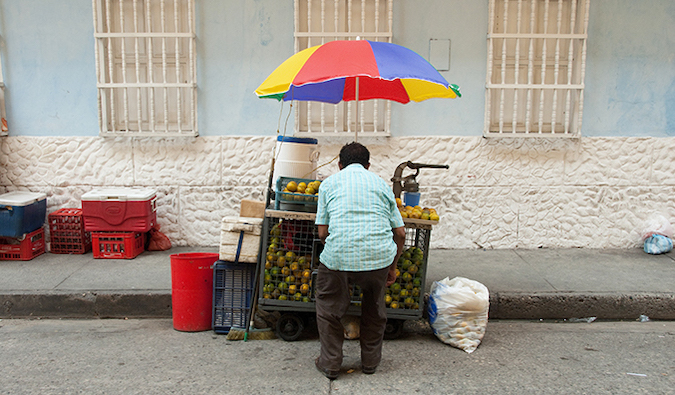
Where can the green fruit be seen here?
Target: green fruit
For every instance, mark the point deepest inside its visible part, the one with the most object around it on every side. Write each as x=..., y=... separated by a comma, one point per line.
x=283, y=287
x=408, y=302
x=395, y=288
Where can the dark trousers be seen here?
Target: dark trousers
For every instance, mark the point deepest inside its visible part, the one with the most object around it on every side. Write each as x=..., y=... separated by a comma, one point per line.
x=332, y=302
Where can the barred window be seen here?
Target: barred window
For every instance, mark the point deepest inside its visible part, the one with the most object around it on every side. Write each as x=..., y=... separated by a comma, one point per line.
x=536, y=65
x=320, y=21
x=146, y=67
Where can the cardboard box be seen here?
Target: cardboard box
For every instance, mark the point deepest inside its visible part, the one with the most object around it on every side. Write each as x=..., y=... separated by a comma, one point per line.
x=252, y=208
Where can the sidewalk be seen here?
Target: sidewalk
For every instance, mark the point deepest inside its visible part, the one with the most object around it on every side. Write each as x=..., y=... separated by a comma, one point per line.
x=523, y=284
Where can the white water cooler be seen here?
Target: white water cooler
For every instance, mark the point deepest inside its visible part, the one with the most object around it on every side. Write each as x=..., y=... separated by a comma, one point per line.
x=296, y=157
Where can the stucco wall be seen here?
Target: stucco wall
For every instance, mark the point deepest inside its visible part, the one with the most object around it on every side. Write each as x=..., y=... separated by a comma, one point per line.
x=591, y=192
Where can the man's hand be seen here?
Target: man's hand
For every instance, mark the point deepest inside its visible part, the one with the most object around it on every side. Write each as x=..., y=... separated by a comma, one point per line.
x=391, y=275
x=399, y=239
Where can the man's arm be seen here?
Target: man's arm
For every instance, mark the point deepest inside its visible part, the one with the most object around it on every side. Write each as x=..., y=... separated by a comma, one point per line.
x=399, y=239
x=323, y=232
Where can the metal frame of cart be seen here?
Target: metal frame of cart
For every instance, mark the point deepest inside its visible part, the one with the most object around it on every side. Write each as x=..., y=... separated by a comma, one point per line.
x=294, y=312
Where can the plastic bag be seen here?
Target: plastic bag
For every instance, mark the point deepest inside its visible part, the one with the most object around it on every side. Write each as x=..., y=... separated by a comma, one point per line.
x=657, y=224
x=458, y=312
x=658, y=244
x=158, y=240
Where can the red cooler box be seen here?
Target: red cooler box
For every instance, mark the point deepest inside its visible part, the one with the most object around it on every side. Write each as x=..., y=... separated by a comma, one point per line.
x=119, y=210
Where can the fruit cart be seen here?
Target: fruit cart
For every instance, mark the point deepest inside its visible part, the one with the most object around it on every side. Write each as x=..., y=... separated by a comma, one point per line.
x=289, y=262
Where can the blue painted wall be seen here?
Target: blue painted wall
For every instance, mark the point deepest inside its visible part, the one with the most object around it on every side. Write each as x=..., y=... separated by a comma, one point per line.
x=47, y=52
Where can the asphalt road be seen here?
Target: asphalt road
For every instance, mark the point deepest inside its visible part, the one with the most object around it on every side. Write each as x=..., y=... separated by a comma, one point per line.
x=516, y=357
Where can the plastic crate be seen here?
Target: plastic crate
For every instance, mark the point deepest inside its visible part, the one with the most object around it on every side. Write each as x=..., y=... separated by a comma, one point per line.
x=117, y=245
x=66, y=232
x=232, y=294
x=24, y=248
x=294, y=201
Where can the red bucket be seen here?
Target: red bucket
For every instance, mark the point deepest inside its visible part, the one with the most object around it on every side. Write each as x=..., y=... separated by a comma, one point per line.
x=192, y=290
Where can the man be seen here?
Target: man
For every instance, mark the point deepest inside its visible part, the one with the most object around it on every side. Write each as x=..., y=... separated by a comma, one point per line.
x=363, y=235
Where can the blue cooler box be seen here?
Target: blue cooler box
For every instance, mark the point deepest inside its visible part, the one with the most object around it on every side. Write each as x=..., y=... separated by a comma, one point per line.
x=22, y=212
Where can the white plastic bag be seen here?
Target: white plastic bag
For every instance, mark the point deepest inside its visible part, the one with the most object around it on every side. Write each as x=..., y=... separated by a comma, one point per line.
x=458, y=312
x=657, y=224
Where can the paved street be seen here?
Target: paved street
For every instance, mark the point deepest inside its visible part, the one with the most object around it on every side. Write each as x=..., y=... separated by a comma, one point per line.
x=517, y=357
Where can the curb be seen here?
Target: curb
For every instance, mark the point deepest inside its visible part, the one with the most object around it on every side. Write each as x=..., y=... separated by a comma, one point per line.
x=86, y=305
x=503, y=305
x=610, y=306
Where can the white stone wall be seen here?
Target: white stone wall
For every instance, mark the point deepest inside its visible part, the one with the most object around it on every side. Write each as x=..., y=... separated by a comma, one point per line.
x=498, y=193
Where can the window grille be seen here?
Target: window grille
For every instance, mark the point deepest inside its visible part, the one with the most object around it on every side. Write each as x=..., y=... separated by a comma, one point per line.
x=320, y=21
x=3, y=115
x=536, y=65
x=146, y=67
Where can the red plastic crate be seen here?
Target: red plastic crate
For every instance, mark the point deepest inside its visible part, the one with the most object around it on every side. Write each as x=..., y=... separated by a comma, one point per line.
x=66, y=232
x=117, y=245
x=24, y=248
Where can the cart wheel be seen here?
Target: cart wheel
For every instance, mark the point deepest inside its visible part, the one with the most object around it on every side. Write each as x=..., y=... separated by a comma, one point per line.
x=393, y=329
x=290, y=327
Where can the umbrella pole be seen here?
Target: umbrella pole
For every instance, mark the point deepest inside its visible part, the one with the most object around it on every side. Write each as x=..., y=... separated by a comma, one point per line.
x=356, y=132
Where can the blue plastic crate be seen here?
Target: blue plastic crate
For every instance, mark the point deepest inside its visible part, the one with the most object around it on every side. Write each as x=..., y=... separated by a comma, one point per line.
x=22, y=212
x=232, y=295
x=293, y=201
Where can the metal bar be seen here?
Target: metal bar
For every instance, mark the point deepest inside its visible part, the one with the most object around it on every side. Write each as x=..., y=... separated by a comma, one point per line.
x=309, y=44
x=97, y=44
x=503, y=68
x=543, y=68
x=535, y=86
x=193, y=68
x=164, y=66
x=151, y=71
x=113, y=122
x=530, y=68
x=144, y=35
x=296, y=49
x=556, y=71
x=139, y=115
x=179, y=107
x=580, y=105
x=516, y=71
x=566, y=36
x=570, y=67
x=490, y=64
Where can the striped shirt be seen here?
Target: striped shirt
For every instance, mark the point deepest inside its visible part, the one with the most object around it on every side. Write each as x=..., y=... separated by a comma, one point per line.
x=360, y=210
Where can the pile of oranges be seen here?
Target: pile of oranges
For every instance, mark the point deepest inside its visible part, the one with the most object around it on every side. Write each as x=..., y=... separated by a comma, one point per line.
x=287, y=274
x=416, y=212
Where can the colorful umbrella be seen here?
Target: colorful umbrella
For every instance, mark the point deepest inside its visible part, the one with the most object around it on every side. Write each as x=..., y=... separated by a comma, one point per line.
x=356, y=70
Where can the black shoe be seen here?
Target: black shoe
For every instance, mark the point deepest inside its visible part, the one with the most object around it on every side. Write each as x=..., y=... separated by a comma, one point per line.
x=366, y=370
x=331, y=374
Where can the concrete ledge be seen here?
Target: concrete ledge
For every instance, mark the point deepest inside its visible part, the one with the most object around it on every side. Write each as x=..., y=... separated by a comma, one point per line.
x=610, y=306
x=503, y=305
x=86, y=305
